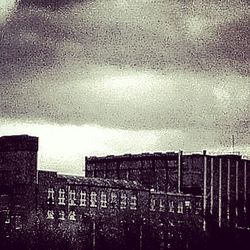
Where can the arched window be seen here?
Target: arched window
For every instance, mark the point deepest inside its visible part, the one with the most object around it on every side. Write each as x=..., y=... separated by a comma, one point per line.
x=72, y=215
x=50, y=214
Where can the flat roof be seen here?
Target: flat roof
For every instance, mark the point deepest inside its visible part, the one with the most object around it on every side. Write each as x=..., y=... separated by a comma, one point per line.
x=132, y=156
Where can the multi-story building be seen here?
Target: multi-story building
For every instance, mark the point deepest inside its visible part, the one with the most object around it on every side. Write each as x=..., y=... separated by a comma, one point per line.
x=143, y=201
x=100, y=205
x=216, y=185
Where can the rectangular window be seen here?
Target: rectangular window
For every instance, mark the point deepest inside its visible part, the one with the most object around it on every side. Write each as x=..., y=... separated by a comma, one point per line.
x=93, y=199
x=180, y=207
x=152, y=204
x=72, y=215
x=7, y=217
x=18, y=222
x=83, y=198
x=171, y=206
x=123, y=202
x=72, y=197
x=198, y=207
x=187, y=204
x=61, y=197
x=103, y=200
x=133, y=202
x=61, y=215
x=162, y=205
x=113, y=200
x=51, y=196
x=50, y=214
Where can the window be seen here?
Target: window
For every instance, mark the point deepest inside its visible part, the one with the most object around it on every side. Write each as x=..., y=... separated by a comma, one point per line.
x=171, y=206
x=18, y=222
x=72, y=197
x=93, y=199
x=50, y=214
x=123, y=203
x=198, y=207
x=72, y=215
x=50, y=196
x=188, y=206
x=113, y=200
x=61, y=198
x=127, y=174
x=162, y=205
x=152, y=204
x=133, y=202
x=103, y=200
x=180, y=207
x=7, y=218
x=83, y=198
x=61, y=215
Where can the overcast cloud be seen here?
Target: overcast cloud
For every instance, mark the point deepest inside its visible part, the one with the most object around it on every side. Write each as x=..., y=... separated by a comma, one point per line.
x=175, y=70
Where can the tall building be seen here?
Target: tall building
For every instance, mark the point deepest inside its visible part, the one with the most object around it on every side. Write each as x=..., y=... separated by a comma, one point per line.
x=18, y=180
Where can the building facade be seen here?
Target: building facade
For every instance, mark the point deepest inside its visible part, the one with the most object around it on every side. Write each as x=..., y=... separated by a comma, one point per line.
x=220, y=184
x=18, y=180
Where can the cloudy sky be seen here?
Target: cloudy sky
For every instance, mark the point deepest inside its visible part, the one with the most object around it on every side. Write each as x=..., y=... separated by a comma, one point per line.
x=125, y=76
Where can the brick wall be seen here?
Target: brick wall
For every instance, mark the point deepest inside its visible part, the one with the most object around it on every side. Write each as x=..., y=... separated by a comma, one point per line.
x=18, y=171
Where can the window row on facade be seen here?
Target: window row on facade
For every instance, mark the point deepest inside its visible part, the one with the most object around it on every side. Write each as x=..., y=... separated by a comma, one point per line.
x=174, y=206
x=14, y=220
x=61, y=215
x=112, y=199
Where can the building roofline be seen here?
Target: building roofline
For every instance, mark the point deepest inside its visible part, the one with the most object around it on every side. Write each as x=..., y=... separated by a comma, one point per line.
x=131, y=156
x=160, y=155
x=102, y=182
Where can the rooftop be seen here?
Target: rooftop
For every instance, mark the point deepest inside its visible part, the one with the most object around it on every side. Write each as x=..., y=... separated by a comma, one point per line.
x=81, y=180
x=159, y=155
x=133, y=156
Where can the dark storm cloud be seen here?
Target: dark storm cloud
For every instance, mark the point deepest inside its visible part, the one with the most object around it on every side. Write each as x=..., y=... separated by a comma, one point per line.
x=230, y=48
x=54, y=64
x=54, y=4
x=153, y=34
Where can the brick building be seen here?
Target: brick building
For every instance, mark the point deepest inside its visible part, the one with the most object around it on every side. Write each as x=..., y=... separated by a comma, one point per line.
x=97, y=205
x=18, y=180
x=143, y=201
x=218, y=184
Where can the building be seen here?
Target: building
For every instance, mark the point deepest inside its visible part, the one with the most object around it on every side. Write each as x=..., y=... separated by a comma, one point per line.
x=218, y=184
x=95, y=209
x=18, y=180
x=143, y=201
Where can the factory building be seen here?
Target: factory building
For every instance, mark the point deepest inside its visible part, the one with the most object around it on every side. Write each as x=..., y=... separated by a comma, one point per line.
x=219, y=184
x=142, y=201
